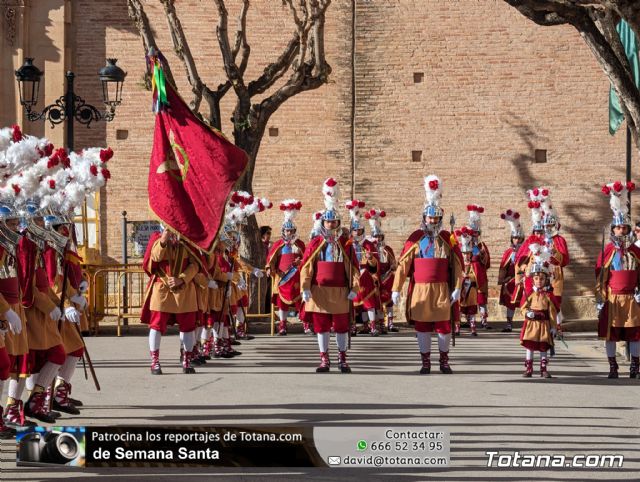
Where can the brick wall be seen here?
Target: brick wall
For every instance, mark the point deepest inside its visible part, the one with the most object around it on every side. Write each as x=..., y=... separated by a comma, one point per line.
x=495, y=87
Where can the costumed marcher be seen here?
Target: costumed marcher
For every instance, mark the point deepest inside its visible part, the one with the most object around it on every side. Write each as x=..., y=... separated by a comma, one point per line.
x=15, y=337
x=507, y=273
x=251, y=206
x=523, y=254
x=220, y=293
x=171, y=295
x=74, y=179
x=329, y=275
x=368, y=300
x=617, y=280
x=433, y=265
x=46, y=347
x=356, y=239
x=469, y=296
x=541, y=310
x=388, y=265
x=283, y=262
x=552, y=238
x=481, y=261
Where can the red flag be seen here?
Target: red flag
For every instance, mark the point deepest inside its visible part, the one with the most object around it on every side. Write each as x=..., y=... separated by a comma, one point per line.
x=192, y=172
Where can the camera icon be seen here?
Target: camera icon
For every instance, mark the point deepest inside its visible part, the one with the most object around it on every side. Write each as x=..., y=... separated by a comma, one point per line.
x=49, y=448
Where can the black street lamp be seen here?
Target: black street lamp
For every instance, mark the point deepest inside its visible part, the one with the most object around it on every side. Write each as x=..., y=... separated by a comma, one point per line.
x=70, y=107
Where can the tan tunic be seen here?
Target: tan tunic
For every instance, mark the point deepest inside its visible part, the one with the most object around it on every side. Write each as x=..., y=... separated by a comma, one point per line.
x=328, y=299
x=71, y=339
x=216, y=295
x=624, y=312
x=184, y=299
x=16, y=344
x=428, y=301
x=42, y=330
x=470, y=297
x=539, y=330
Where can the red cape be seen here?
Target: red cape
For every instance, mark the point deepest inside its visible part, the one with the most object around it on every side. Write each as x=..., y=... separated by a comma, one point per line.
x=279, y=244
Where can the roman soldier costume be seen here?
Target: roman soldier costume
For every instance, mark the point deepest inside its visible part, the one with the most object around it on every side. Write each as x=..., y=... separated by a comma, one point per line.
x=469, y=296
x=507, y=273
x=617, y=279
x=329, y=275
x=171, y=295
x=480, y=260
x=433, y=265
x=540, y=308
x=356, y=239
x=283, y=262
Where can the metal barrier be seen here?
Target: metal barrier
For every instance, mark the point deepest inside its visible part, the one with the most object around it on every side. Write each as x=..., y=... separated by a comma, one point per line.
x=118, y=291
x=115, y=290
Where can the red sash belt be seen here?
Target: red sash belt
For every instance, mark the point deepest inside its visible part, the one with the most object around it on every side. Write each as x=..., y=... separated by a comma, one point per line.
x=285, y=262
x=329, y=273
x=541, y=315
x=10, y=289
x=431, y=270
x=623, y=282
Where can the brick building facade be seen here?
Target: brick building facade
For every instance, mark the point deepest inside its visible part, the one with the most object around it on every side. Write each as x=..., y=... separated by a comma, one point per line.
x=467, y=90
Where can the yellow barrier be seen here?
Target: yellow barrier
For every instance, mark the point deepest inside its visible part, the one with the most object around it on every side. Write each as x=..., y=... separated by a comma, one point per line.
x=115, y=290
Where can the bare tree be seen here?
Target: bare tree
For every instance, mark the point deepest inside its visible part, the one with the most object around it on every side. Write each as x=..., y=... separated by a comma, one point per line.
x=303, y=59
x=596, y=22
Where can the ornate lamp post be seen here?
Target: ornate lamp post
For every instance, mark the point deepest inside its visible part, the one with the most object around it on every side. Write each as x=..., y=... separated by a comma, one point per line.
x=70, y=107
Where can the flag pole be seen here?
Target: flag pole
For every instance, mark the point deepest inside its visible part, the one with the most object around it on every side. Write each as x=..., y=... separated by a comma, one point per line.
x=629, y=168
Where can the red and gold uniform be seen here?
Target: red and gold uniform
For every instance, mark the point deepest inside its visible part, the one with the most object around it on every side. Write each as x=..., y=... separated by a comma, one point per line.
x=283, y=262
x=166, y=305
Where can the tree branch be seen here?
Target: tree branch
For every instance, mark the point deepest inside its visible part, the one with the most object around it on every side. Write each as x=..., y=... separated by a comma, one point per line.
x=241, y=44
x=277, y=69
x=139, y=17
x=183, y=52
x=233, y=72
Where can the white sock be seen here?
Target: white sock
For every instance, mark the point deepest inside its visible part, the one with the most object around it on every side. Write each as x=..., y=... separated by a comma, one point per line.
x=68, y=368
x=216, y=330
x=154, y=339
x=47, y=373
x=188, y=339
x=543, y=355
x=198, y=332
x=444, y=341
x=30, y=383
x=424, y=341
x=1, y=388
x=224, y=332
x=610, y=347
x=372, y=315
x=16, y=387
x=634, y=348
x=364, y=317
x=510, y=313
x=282, y=315
x=529, y=355
x=389, y=312
x=483, y=309
x=204, y=334
x=342, y=340
x=323, y=342
x=240, y=315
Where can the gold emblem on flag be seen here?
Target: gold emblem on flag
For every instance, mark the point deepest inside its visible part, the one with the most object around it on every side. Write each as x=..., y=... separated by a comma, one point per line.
x=176, y=164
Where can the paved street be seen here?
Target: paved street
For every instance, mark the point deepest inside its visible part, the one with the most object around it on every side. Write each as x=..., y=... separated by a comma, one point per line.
x=486, y=404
